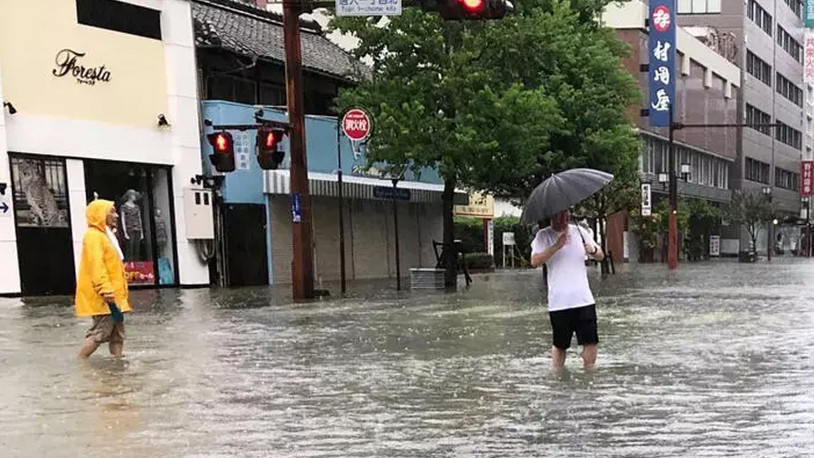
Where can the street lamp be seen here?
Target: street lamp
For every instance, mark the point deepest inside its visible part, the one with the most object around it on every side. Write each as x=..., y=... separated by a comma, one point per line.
x=767, y=191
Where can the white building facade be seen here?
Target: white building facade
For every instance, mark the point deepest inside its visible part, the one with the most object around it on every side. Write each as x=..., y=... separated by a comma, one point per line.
x=100, y=101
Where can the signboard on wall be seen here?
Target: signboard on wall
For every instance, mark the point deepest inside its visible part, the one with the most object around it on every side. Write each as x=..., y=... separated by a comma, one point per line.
x=139, y=272
x=808, y=14
x=715, y=245
x=662, y=51
x=807, y=179
x=808, y=54
x=480, y=206
x=647, y=205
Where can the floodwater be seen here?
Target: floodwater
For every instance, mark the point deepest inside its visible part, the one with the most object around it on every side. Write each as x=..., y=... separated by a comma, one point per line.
x=715, y=359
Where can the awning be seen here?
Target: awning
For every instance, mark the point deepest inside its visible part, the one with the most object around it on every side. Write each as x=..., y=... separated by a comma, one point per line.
x=356, y=187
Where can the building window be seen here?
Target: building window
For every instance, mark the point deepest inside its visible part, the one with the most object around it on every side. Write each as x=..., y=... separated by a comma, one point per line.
x=796, y=6
x=789, y=44
x=705, y=170
x=757, y=171
x=786, y=179
x=758, y=68
x=120, y=17
x=789, y=136
x=699, y=6
x=789, y=90
x=759, y=16
x=143, y=198
x=755, y=116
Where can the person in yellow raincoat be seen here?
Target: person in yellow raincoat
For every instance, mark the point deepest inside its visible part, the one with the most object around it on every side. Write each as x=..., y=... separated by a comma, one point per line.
x=101, y=279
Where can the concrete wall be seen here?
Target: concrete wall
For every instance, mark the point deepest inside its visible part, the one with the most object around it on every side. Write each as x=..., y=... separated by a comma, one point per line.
x=369, y=238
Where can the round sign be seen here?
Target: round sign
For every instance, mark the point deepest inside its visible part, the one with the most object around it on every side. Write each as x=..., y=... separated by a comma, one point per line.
x=662, y=18
x=356, y=124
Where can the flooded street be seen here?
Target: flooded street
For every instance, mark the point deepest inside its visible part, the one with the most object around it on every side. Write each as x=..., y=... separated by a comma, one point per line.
x=713, y=360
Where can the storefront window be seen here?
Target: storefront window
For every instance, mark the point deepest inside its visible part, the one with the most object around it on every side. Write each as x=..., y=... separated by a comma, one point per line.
x=142, y=197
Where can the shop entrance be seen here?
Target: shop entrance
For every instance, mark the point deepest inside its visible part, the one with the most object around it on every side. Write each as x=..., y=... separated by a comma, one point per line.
x=143, y=200
x=246, y=244
x=41, y=215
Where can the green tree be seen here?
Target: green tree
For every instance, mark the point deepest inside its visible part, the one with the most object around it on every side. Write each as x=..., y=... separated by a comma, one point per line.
x=749, y=210
x=437, y=102
x=494, y=104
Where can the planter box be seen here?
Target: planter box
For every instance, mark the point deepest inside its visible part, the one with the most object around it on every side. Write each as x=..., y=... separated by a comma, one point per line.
x=421, y=278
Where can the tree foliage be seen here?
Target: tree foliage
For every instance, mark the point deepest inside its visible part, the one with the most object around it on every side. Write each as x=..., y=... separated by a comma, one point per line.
x=498, y=105
x=750, y=210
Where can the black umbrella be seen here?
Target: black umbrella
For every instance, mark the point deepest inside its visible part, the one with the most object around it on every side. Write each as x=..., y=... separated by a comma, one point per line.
x=561, y=191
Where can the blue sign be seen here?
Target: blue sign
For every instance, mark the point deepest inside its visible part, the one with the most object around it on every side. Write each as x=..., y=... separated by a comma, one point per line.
x=384, y=192
x=662, y=49
x=4, y=208
x=296, y=207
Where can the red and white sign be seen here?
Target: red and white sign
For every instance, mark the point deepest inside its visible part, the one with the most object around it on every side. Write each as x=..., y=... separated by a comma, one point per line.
x=661, y=18
x=807, y=179
x=356, y=124
x=808, y=63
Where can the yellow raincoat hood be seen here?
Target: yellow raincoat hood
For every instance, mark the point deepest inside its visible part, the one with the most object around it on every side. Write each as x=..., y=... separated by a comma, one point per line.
x=96, y=213
x=101, y=270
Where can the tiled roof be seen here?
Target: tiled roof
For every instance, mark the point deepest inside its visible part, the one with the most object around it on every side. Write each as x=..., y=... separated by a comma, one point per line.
x=246, y=30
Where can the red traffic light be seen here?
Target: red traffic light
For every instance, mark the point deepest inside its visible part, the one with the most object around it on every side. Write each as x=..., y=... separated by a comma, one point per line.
x=270, y=138
x=269, y=155
x=224, y=157
x=473, y=6
x=221, y=141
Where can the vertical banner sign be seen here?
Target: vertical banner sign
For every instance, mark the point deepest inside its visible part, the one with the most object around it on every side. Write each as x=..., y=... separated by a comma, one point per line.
x=296, y=207
x=808, y=63
x=647, y=205
x=808, y=16
x=807, y=178
x=715, y=246
x=662, y=49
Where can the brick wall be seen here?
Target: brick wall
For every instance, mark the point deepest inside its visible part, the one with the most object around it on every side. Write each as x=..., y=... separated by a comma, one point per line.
x=369, y=238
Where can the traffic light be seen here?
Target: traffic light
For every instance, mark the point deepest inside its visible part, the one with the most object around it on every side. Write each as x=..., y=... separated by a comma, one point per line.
x=224, y=156
x=468, y=9
x=269, y=154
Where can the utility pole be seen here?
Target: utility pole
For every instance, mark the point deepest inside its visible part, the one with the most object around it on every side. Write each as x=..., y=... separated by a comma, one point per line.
x=672, y=221
x=302, y=266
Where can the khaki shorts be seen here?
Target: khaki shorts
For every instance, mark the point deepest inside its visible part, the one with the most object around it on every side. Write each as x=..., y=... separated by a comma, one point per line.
x=104, y=329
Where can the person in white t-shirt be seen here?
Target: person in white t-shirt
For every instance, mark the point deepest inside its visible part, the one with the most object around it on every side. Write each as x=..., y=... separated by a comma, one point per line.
x=562, y=248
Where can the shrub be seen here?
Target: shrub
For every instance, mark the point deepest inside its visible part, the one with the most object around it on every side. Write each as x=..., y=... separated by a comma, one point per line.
x=480, y=261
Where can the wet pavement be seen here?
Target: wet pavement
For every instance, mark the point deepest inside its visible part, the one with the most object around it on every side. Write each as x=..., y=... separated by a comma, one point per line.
x=713, y=360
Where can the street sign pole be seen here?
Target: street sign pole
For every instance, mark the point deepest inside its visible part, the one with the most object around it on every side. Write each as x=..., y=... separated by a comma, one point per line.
x=302, y=271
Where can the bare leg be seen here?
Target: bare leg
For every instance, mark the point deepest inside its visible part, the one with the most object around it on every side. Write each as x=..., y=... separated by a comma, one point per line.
x=589, y=356
x=88, y=347
x=557, y=358
x=116, y=348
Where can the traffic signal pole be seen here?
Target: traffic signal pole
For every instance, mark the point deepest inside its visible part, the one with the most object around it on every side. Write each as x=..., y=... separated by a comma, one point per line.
x=302, y=266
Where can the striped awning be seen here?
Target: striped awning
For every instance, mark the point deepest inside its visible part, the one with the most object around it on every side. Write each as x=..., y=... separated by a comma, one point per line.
x=354, y=187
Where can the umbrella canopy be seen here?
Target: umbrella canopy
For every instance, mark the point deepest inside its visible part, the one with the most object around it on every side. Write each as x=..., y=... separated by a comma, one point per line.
x=562, y=190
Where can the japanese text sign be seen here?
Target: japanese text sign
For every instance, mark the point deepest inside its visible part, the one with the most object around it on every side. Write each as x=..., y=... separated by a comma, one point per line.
x=808, y=14
x=646, y=200
x=662, y=51
x=808, y=63
x=807, y=178
x=368, y=7
x=356, y=124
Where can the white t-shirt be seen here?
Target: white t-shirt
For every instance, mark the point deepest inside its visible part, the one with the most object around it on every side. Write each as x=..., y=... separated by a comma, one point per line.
x=567, y=277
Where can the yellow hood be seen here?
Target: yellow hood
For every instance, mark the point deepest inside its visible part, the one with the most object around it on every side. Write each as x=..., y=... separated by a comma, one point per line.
x=96, y=213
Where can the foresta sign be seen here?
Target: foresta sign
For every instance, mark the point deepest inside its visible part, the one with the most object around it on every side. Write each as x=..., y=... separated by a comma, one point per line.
x=68, y=63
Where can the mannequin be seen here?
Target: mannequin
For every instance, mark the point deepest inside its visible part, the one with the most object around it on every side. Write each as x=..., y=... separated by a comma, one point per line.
x=131, y=224
x=160, y=231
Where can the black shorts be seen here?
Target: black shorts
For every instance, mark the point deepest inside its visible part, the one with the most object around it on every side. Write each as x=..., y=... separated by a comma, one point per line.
x=582, y=320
